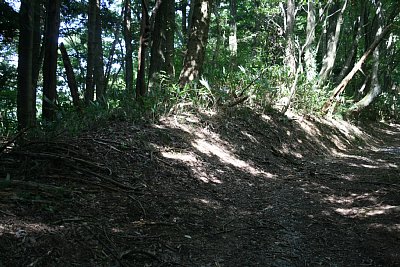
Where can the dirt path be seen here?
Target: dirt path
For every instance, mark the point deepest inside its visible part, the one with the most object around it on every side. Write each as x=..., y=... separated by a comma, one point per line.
x=237, y=190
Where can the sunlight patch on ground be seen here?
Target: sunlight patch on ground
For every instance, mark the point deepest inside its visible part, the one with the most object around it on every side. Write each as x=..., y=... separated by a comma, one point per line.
x=185, y=157
x=393, y=228
x=209, y=143
x=362, y=212
x=349, y=130
x=351, y=199
x=373, y=164
x=208, y=203
x=226, y=156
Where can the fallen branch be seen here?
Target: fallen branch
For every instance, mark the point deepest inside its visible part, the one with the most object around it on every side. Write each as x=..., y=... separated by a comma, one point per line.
x=62, y=157
x=105, y=178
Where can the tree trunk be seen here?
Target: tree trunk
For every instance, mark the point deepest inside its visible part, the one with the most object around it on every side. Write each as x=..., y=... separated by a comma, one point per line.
x=342, y=86
x=98, y=58
x=356, y=39
x=329, y=59
x=197, y=43
x=184, y=4
x=157, y=50
x=141, y=88
x=50, y=59
x=26, y=112
x=216, y=50
x=162, y=48
x=309, y=50
x=128, y=47
x=375, y=87
x=170, y=37
x=233, y=35
x=110, y=61
x=91, y=46
x=71, y=80
x=290, y=58
x=38, y=46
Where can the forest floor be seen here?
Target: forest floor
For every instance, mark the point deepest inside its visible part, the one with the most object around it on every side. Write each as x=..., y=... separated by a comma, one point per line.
x=231, y=189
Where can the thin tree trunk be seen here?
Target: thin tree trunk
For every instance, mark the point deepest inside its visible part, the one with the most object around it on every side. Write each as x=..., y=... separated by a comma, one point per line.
x=233, y=35
x=71, y=80
x=99, y=58
x=342, y=86
x=110, y=61
x=38, y=46
x=309, y=50
x=216, y=50
x=144, y=38
x=197, y=43
x=330, y=57
x=26, y=113
x=184, y=4
x=128, y=47
x=353, y=50
x=50, y=59
x=157, y=50
x=89, y=92
x=375, y=87
x=290, y=58
x=170, y=37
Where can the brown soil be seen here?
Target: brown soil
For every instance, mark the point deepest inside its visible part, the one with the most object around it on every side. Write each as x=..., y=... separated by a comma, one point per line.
x=234, y=189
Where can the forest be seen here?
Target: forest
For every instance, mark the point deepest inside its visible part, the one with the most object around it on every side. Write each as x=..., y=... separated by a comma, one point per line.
x=199, y=133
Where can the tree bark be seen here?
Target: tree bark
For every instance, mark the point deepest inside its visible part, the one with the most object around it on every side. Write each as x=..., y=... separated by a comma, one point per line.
x=170, y=37
x=329, y=59
x=91, y=46
x=162, y=48
x=26, y=113
x=158, y=40
x=197, y=43
x=71, y=80
x=356, y=39
x=128, y=47
x=50, y=59
x=375, y=87
x=141, y=88
x=38, y=46
x=342, y=86
x=309, y=50
x=99, y=59
x=290, y=58
x=233, y=35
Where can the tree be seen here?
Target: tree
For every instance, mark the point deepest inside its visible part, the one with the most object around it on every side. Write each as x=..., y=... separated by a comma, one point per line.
x=333, y=40
x=233, y=26
x=26, y=112
x=309, y=51
x=342, y=86
x=128, y=46
x=50, y=58
x=197, y=42
x=170, y=37
x=290, y=57
x=69, y=71
x=162, y=37
x=95, y=63
x=141, y=88
x=98, y=56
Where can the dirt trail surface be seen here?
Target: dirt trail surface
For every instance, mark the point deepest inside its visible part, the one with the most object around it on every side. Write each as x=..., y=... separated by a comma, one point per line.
x=238, y=189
